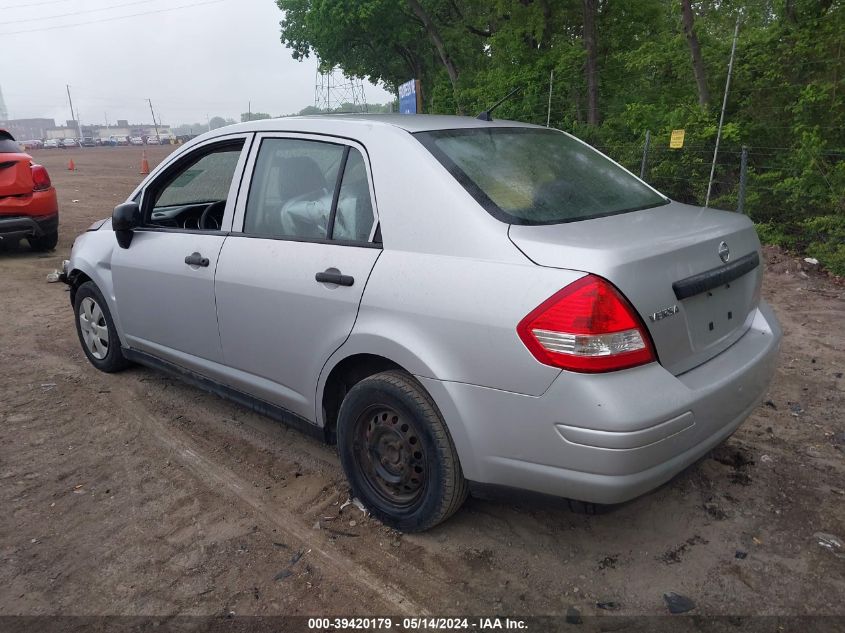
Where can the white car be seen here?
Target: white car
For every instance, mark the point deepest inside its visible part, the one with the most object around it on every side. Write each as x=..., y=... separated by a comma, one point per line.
x=51, y=143
x=136, y=140
x=153, y=140
x=70, y=142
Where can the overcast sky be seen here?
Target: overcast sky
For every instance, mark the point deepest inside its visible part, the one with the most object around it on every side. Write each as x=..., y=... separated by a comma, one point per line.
x=210, y=58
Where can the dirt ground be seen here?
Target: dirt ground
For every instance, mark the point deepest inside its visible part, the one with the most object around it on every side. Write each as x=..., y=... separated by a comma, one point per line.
x=134, y=494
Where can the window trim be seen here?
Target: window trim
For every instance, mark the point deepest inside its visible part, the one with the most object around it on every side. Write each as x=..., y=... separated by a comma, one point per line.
x=178, y=160
x=249, y=172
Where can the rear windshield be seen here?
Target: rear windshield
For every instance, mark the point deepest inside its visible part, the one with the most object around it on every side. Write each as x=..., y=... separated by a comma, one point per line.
x=537, y=176
x=8, y=144
x=9, y=147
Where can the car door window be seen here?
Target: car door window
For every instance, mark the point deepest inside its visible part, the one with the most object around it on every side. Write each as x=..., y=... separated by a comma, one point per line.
x=292, y=188
x=193, y=194
x=295, y=188
x=354, y=216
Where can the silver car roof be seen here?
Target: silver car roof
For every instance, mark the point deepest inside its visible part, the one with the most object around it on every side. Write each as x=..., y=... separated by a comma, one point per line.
x=349, y=123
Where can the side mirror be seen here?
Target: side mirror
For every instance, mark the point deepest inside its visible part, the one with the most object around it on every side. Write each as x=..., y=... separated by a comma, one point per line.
x=125, y=218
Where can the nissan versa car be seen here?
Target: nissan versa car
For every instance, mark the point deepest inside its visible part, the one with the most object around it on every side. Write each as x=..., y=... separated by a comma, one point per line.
x=458, y=304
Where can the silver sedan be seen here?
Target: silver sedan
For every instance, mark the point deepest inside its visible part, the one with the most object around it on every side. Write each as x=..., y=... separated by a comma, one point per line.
x=459, y=305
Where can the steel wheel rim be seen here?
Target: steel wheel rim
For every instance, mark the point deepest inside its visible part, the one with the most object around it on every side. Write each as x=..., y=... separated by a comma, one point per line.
x=390, y=456
x=95, y=331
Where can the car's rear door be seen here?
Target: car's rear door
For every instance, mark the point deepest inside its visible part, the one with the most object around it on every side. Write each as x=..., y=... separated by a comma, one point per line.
x=164, y=281
x=291, y=275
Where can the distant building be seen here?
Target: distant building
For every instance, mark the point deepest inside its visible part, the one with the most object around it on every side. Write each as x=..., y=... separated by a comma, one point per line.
x=4, y=113
x=105, y=131
x=28, y=129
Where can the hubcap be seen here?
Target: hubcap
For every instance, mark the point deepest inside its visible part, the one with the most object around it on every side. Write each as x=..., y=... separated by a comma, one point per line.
x=95, y=332
x=390, y=455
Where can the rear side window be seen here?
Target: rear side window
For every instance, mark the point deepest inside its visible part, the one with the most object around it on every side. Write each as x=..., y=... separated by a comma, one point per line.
x=304, y=189
x=537, y=176
x=354, y=217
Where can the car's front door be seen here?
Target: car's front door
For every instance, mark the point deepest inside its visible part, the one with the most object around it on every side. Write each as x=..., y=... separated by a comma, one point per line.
x=291, y=275
x=164, y=281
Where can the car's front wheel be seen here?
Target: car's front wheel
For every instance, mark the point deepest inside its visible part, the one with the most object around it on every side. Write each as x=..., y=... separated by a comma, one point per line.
x=398, y=454
x=96, y=330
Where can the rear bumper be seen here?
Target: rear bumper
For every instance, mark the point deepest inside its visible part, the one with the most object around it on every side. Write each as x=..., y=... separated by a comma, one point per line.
x=610, y=437
x=31, y=215
x=17, y=227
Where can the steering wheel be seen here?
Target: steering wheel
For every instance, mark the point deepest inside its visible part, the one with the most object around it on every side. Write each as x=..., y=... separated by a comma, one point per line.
x=220, y=205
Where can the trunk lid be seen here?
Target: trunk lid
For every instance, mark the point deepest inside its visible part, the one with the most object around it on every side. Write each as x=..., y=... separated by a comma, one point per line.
x=645, y=253
x=15, y=174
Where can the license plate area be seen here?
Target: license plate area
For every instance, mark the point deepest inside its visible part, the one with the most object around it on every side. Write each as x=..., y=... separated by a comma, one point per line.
x=717, y=313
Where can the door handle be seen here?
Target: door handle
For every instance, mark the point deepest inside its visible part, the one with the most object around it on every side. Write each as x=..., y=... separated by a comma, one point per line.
x=195, y=259
x=328, y=277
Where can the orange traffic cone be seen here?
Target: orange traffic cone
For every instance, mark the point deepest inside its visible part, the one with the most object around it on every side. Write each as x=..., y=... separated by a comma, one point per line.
x=71, y=166
x=145, y=165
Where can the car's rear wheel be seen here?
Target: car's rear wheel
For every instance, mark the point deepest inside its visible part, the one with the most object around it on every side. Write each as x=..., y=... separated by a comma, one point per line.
x=46, y=242
x=96, y=330
x=397, y=453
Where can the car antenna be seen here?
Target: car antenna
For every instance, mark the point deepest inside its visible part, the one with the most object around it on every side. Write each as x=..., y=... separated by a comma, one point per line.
x=485, y=116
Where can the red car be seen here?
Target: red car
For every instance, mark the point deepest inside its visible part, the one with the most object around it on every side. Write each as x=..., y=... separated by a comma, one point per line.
x=28, y=204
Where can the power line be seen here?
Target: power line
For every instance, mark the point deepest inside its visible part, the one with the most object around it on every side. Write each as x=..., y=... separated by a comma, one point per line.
x=33, y=4
x=64, y=15
x=121, y=17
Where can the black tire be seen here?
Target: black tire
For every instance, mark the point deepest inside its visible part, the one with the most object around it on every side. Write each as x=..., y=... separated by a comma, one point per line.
x=398, y=454
x=46, y=242
x=112, y=359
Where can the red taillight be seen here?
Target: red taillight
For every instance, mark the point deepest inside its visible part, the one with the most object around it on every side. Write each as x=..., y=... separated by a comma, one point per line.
x=40, y=178
x=587, y=327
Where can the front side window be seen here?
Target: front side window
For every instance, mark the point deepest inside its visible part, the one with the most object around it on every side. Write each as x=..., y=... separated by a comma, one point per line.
x=193, y=194
x=294, y=192
x=537, y=176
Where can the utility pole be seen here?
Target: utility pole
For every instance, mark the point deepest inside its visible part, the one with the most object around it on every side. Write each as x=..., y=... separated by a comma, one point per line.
x=549, y=110
x=207, y=123
x=722, y=116
x=74, y=117
x=249, y=111
x=155, y=125
x=645, y=154
x=743, y=179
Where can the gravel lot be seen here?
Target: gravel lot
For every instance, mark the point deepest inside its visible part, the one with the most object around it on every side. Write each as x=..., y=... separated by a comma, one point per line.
x=133, y=494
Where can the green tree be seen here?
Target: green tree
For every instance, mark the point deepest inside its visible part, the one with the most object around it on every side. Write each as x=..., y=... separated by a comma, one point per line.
x=254, y=116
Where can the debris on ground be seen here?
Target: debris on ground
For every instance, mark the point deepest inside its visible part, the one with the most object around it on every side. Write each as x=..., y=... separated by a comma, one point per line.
x=766, y=459
x=771, y=404
x=715, y=511
x=678, y=603
x=321, y=525
x=573, y=616
x=355, y=502
x=831, y=542
x=740, y=554
x=811, y=260
x=608, y=605
x=288, y=571
x=53, y=277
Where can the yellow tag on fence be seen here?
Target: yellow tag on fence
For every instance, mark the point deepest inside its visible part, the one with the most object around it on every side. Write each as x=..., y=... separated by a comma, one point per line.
x=676, y=141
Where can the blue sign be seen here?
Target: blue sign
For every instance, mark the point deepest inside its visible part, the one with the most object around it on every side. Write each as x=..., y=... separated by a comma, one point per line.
x=408, y=97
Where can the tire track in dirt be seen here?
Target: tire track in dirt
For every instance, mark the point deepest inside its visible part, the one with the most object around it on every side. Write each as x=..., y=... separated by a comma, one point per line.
x=213, y=475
